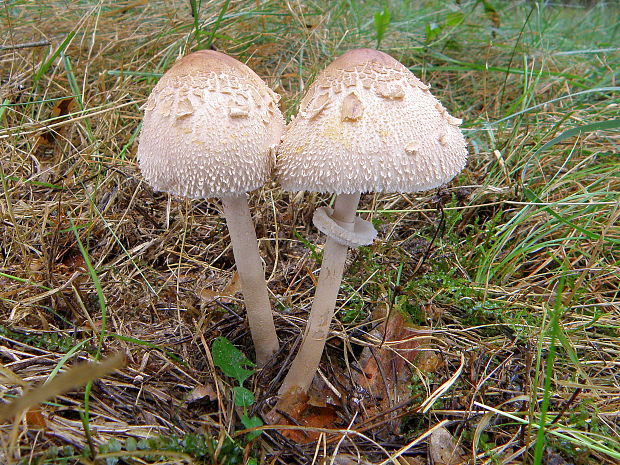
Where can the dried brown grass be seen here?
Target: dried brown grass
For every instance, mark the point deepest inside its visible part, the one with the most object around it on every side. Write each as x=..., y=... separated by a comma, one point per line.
x=155, y=256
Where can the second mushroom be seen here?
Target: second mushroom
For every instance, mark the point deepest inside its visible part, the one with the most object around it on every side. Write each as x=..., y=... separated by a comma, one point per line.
x=367, y=124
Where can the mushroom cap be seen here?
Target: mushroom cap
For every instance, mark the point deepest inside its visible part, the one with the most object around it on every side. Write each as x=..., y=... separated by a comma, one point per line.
x=367, y=124
x=211, y=127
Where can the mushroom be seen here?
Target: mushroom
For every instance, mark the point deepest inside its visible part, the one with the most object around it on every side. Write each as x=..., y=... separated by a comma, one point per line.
x=210, y=129
x=367, y=124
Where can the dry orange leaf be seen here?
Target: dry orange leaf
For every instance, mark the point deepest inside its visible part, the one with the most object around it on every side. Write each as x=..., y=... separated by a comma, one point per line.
x=304, y=415
x=62, y=108
x=35, y=419
x=386, y=366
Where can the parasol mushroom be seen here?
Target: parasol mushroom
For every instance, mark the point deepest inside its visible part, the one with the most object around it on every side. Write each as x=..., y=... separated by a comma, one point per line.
x=367, y=124
x=210, y=129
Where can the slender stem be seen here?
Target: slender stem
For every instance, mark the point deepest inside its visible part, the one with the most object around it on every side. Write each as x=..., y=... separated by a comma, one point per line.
x=252, y=276
x=306, y=362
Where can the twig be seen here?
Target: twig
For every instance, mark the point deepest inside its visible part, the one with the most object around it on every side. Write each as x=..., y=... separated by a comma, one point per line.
x=566, y=405
x=40, y=43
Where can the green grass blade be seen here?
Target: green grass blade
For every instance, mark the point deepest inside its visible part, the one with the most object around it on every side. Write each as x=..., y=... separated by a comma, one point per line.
x=195, y=6
x=47, y=64
x=572, y=132
x=554, y=328
x=592, y=235
x=150, y=345
x=95, y=278
x=66, y=357
x=217, y=24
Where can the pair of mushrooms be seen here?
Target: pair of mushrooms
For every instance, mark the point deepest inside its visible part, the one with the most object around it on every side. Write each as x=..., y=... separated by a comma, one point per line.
x=212, y=128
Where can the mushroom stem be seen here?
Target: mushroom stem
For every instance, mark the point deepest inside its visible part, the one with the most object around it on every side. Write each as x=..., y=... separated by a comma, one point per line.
x=306, y=362
x=252, y=276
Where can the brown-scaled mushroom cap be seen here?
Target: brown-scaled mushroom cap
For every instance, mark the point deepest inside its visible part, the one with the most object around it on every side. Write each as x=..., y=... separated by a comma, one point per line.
x=367, y=124
x=210, y=128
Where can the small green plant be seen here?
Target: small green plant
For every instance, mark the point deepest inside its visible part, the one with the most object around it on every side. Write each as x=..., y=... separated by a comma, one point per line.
x=236, y=365
x=382, y=21
x=167, y=448
x=316, y=255
x=353, y=311
x=56, y=342
x=56, y=455
x=433, y=29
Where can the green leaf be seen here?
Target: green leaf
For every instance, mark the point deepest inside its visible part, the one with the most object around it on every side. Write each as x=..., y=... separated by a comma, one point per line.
x=382, y=21
x=491, y=12
x=606, y=125
x=454, y=18
x=488, y=7
x=131, y=444
x=113, y=445
x=252, y=422
x=46, y=65
x=231, y=360
x=243, y=397
x=216, y=26
x=432, y=31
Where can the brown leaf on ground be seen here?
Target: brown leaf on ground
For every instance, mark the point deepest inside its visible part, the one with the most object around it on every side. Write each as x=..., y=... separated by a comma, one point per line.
x=35, y=419
x=294, y=408
x=346, y=459
x=428, y=361
x=553, y=458
x=415, y=460
x=233, y=286
x=202, y=391
x=443, y=449
x=61, y=109
x=386, y=370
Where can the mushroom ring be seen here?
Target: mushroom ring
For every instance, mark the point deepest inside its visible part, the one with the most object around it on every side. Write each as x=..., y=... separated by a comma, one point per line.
x=356, y=234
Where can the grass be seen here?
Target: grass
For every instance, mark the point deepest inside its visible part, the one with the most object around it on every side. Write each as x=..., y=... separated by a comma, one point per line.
x=512, y=269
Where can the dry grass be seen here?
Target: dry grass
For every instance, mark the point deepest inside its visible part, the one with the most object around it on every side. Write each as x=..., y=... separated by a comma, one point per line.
x=516, y=296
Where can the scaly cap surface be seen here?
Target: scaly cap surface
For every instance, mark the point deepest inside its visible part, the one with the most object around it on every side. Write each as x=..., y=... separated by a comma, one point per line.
x=210, y=128
x=367, y=124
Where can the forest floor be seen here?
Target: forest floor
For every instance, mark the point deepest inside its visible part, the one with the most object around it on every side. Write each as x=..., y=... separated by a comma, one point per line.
x=503, y=285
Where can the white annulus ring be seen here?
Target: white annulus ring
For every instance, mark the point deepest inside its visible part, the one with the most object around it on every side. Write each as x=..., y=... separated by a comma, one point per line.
x=363, y=232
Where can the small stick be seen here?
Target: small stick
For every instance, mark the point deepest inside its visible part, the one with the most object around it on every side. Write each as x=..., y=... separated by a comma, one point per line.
x=40, y=43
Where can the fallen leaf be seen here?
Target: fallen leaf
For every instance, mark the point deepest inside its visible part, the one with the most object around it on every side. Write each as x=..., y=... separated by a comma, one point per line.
x=386, y=373
x=428, y=361
x=35, y=419
x=346, y=459
x=299, y=412
x=233, y=286
x=415, y=460
x=202, y=391
x=491, y=13
x=433, y=312
x=553, y=458
x=61, y=109
x=125, y=8
x=443, y=449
